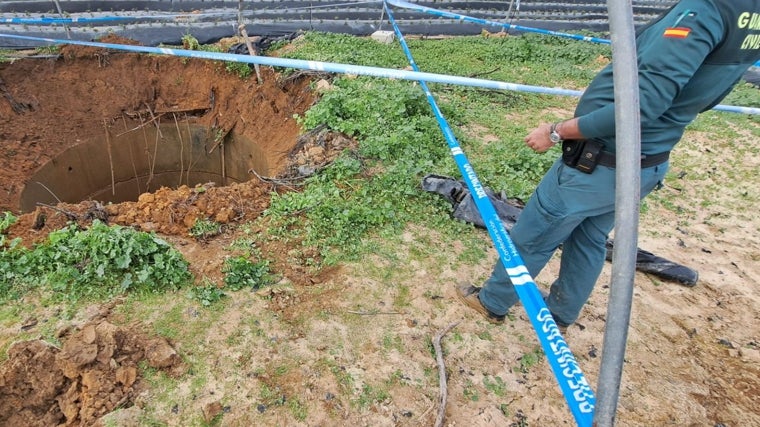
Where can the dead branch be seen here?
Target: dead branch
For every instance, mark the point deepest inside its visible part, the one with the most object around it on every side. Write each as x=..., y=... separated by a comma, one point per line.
x=155, y=119
x=484, y=73
x=285, y=182
x=298, y=74
x=71, y=216
x=220, y=137
x=49, y=191
x=181, y=150
x=110, y=157
x=251, y=51
x=441, y=373
x=142, y=123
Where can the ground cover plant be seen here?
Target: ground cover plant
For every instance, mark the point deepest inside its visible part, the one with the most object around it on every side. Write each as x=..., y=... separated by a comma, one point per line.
x=320, y=310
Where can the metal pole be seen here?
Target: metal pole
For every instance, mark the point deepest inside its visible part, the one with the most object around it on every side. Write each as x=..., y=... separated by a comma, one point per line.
x=627, y=195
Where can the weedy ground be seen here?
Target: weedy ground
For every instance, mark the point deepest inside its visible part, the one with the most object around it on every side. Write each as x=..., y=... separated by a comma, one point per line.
x=352, y=346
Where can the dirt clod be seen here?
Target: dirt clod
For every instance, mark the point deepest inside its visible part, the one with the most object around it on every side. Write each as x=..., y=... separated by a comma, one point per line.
x=93, y=372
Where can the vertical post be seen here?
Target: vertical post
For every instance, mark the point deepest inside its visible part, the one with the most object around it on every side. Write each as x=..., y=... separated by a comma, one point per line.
x=248, y=44
x=627, y=195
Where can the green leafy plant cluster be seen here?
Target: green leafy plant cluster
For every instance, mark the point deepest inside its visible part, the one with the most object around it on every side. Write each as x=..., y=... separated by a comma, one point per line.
x=206, y=294
x=507, y=58
x=347, y=49
x=100, y=261
x=242, y=69
x=397, y=133
x=203, y=229
x=6, y=220
x=744, y=94
x=392, y=119
x=240, y=272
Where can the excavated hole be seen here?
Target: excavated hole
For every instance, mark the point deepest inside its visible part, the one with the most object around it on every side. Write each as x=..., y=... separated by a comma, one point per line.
x=121, y=166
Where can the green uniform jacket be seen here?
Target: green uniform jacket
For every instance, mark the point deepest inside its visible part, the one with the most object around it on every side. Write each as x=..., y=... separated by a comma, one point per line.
x=689, y=60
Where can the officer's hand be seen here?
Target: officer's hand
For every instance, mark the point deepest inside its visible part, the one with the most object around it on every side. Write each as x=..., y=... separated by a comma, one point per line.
x=538, y=139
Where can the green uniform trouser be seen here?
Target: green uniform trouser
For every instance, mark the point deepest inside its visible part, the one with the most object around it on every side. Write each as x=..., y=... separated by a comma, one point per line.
x=572, y=209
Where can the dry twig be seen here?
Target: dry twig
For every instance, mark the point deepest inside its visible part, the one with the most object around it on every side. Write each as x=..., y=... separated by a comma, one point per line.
x=71, y=216
x=441, y=373
x=110, y=157
x=285, y=182
x=251, y=50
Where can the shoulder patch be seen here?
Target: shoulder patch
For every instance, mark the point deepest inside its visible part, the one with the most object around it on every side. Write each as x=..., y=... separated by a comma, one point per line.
x=676, y=32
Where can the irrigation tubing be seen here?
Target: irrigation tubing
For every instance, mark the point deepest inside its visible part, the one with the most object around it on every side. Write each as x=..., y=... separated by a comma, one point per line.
x=572, y=382
x=627, y=200
x=77, y=20
x=43, y=20
x=333, y=67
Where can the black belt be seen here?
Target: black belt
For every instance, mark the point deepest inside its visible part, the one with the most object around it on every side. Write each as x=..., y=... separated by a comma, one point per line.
x=647, y=161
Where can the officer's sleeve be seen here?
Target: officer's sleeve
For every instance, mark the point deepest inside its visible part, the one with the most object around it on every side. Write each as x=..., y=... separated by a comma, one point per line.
x=669, y=53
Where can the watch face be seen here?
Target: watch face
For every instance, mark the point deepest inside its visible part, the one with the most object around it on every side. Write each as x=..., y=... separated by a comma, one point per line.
x=554, y=136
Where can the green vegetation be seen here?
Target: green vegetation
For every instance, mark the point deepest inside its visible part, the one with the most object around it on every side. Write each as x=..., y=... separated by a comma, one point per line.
x=206, y=294
x=99, y=262
x=469, y=391
x=529, y=359
x=376, y=188
x=204, y=229
x=240, y=272
x=242, y=69
x=495, y=385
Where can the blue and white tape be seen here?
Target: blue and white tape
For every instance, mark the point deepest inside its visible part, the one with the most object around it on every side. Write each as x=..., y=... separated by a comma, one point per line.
x=577, y=392
x=334, y=67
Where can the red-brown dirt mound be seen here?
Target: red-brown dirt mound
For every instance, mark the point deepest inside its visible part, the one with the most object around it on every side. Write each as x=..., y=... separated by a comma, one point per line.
x=93, y=372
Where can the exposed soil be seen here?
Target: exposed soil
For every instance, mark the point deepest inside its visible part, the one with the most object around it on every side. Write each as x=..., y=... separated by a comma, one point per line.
x=693, y=353
x=50, y=105
x=95, y=371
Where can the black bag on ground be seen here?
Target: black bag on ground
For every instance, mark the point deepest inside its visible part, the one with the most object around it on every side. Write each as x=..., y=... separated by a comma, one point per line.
x=508, y=210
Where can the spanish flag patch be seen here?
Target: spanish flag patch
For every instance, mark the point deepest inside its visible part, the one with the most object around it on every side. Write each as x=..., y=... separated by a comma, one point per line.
x=677, y=32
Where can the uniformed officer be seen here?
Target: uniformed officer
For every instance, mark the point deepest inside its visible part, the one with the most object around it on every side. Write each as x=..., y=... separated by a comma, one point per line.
x=689, y=60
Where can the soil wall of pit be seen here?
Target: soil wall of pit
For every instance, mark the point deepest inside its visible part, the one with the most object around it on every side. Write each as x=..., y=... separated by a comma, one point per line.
x=93, y=123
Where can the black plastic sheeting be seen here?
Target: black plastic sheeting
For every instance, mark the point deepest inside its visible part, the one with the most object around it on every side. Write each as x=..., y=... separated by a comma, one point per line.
x=211, y=20
x=509, y=210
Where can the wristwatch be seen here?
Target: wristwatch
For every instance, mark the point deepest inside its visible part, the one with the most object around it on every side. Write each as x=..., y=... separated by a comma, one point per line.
x=554, y=136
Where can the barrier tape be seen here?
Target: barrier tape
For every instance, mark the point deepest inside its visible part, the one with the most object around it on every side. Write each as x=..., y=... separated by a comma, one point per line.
x=398, y=3
x=459, y=17
x=451, y=15
x=333, y=67
x=573, y=384
x=74, y=20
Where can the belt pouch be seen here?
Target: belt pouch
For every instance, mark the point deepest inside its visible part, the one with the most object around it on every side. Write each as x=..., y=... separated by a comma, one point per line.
x=589, y=156
x=571, y=151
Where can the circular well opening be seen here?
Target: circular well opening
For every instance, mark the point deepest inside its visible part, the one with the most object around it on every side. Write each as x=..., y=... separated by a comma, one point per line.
x=118, y=167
